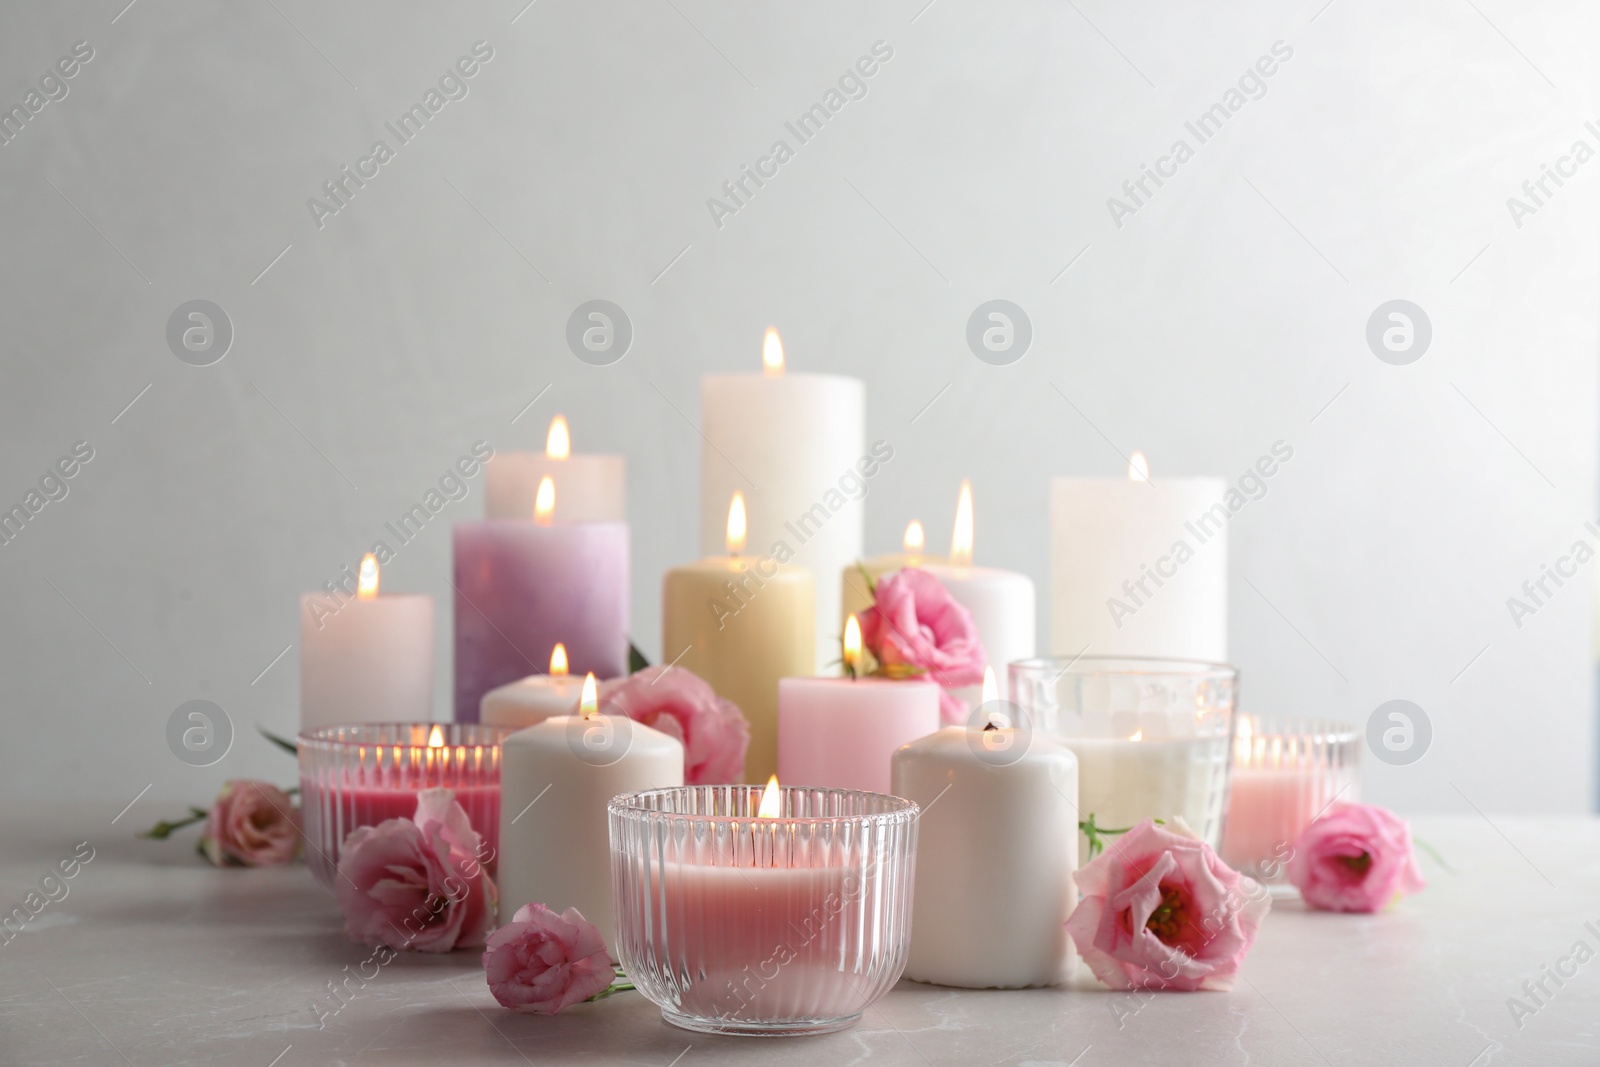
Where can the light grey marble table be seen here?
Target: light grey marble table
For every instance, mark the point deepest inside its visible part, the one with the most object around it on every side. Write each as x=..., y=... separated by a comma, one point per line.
x=155, y=958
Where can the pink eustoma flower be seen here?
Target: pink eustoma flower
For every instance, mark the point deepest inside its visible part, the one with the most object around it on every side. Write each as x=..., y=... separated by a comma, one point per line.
x=252, y=824
x=1355, y=857
x=541, y=962
x=683, y=705
x=915, y=623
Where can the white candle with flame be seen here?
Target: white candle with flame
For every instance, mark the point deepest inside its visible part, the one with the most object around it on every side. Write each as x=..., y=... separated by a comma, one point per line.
x=365, y=658
x=593, y=487
x=794, y=445
x=534, y=698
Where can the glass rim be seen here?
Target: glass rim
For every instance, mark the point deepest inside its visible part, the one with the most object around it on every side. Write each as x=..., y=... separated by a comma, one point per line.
x=334, y=736
x=1293, y=727
x=898, y=809
x=1144, y=666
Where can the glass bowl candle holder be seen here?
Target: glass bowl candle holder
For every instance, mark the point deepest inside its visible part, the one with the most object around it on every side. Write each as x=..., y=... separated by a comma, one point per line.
x=1286, y=772
x=1151, y=735
x=736, y=916
x=361, y=774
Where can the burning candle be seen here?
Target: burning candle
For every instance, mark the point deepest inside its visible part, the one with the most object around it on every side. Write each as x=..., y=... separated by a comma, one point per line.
x=534, y=698
x=999, y=843
x=793, y=444
x=557, y=778
x=741, y=623
x=522, y=587
x=1140, y=567
x=1285, y=773
x=368, y=658
x=841, y=732
x=853, y=584
x=593, y=488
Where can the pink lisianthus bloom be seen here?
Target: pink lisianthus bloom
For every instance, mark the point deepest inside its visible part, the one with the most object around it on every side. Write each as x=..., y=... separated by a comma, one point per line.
x=417, y=883
x=252, y=824
x=541, y=962
x=1160, y=910
x=916, y=625
x=1355, y=857
x=683, y=705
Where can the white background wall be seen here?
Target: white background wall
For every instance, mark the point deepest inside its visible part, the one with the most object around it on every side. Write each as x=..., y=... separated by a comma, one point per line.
x=1227, y=314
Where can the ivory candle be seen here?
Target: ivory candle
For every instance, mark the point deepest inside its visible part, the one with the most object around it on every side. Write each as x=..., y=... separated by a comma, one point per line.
x=741, y=624
x=592, y=487
x=535, y=698
x=367, y=659
x=1139, y=567
x=793, y=444
x=556, y=778
x=853, y=592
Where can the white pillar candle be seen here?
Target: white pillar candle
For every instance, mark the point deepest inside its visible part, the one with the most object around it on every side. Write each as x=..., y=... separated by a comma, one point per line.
x=535, y=698
x=591, y=487
x=365, y=659
x=1001, y=601
x=853, y=585
x=1139, y=567
x=793, y=444
x=556, y=778
x=996, y=848
x=840, y=733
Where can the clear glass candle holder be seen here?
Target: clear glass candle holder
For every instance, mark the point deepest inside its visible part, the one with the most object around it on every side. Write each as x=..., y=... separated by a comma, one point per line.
x=1151, y=735
x=733, y=923
x=1286, y=772
x=360, y=775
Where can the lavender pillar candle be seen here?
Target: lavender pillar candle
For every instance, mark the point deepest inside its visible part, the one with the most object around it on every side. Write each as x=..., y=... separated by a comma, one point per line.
x=521, y=587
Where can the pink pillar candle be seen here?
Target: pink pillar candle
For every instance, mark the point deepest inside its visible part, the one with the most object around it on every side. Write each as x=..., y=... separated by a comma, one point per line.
x=841, y=733
x=521, y=587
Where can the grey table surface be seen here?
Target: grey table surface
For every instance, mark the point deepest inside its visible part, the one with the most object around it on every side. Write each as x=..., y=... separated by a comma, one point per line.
x=153, y=957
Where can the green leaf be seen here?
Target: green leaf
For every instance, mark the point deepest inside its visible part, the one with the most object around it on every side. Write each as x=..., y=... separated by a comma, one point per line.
x=636, y=660
x=283, y=743
x=872, y=585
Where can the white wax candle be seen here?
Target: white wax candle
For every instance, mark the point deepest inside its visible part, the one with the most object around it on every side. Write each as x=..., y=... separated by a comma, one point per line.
x=535, y=698
x=840, y=733
x=367, y=658
x=1139, y=567
x=996, y=848
x=794, y=445
x=591, y=487
x=556, y=778
x=1123, y=781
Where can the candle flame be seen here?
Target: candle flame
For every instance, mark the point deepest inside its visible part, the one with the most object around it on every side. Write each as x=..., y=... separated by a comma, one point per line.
x=771, y=800
x=558, y=659
x=588, y=703
x=1138, y=467
x=436, y=738
x=367, y=581
x=852, y=645
x=1241, y=739
x=961, y=539
x=772, y=353
x=558, y=445
x=544, y=504
x=991, y=689
x=1138, y=735
x=914, y=539
x=737, y=525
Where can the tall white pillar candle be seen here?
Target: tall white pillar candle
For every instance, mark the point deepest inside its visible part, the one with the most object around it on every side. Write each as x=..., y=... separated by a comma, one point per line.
x=591, y=487
x=1139, y=567
x=794, y=445
x=366, y=658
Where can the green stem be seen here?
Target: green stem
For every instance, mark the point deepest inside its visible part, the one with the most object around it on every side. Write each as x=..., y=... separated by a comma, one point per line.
x=163, y=829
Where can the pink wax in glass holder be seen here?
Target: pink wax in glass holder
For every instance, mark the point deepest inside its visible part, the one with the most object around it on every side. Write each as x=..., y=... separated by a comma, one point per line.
x=360, y=775
x=733, y=923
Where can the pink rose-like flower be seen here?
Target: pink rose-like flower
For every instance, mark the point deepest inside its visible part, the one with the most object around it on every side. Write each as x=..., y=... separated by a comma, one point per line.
x=683, y=705
x=541, y=962
x=917, y=623
x=1160, y=910
x=252, y=824
x=417, y=883
x=1354, y=858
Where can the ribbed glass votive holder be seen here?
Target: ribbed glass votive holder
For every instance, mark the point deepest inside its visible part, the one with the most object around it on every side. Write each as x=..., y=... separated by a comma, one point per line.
x=360, y=775
x=733, y=923
x=1286, y=772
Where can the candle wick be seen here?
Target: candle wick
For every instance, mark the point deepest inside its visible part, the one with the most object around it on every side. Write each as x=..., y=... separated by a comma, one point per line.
x=990, y=726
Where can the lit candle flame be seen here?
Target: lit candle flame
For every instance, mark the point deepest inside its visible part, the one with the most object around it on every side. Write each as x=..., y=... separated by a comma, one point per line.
x=1241, y=739
x=558, y=445
x=915, y=539
x=1138, y=467
x=772, y=353
x=1138, y=735
x=852, y=645
x=737, y=525
x=436, y=738
x=544, y=504
x=589, y=702
x=367, y=580
x=771, y=800
x=558, y=659
x=961, y=539
x=991, y=688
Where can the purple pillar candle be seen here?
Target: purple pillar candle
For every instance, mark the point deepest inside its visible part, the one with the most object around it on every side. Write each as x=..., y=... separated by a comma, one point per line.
x=521, y=587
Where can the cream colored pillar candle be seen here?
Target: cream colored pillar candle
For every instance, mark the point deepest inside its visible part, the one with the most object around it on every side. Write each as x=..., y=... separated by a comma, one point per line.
x=853, y=585
x=996, y=848
x=793, y=444
x=591, y=487
x=535, y=698
x=556, y=778
x=741, y=623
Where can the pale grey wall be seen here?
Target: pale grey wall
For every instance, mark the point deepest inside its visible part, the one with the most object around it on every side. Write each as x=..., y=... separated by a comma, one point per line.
x=1225, y=315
